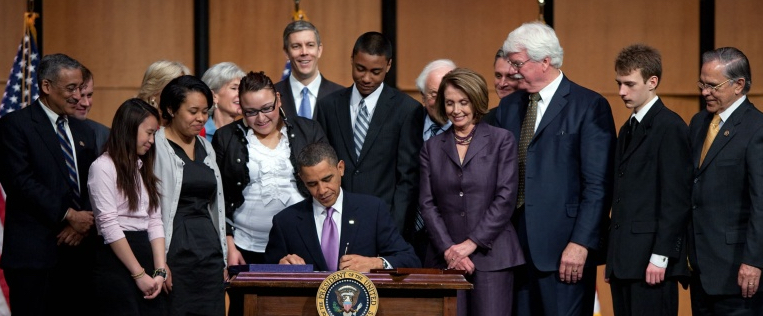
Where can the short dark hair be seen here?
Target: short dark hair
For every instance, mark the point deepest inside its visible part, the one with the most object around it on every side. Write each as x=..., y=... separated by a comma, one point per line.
x=51, y=65
x=472, y=84
x=255, y=81
x=640, y=57
x=499, y=54
x=736, y=65
x=298, y=26
x=122, y=148
x=373, y=43
x=86, y=74
x=314, y=153
x=174, y=94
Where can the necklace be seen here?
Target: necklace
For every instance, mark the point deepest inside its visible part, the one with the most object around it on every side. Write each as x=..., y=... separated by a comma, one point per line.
x=466, y=139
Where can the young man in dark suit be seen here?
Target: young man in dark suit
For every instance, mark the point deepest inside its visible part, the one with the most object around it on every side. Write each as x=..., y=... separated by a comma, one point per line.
x=647, y=248
x=48, y=248
x=566, y=141
x=726, y=232
x=305, y=85
x=376, y=130
x=364, y=236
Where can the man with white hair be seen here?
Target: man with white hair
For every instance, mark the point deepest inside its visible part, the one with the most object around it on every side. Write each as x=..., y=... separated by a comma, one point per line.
x=428, y=83
x=566, y=148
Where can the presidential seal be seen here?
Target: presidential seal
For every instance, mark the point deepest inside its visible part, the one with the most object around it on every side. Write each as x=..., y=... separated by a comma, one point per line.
x=347, y=293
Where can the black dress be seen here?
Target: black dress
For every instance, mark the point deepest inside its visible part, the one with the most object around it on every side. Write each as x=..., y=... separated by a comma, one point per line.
x=195, y=256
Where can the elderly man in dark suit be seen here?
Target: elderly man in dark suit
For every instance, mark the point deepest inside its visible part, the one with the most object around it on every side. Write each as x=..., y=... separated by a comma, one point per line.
x=726, y=233
x=335, y=229
x=647, y=248
x=376, y=130
x=566, y=147
x=305, y=85
x=48, y=247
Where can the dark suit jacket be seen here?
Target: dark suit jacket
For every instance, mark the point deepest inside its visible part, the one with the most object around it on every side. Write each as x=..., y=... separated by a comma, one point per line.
x=568, y=180
x=727, y=199
x=388, y=167
x=287, y=98
x=34, y=177
x=101, y=133
x=473, y=199
x=652, y=196
x=372, y=234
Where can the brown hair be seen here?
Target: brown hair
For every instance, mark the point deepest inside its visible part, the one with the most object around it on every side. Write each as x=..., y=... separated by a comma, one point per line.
x=470, y=83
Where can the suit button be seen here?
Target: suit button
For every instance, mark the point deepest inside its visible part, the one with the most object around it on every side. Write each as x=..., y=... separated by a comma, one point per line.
x=693, y=207
x=696, y=180
x=617, y=201
x=356, y=172
x=238, y=183
x=460, y=193
x=459, y=174
x=463, y=214
x=238, y=160
x=622, y=173
x=617, y=225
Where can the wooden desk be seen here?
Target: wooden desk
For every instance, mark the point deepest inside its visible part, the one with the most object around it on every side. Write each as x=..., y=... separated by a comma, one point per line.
x=281, y=294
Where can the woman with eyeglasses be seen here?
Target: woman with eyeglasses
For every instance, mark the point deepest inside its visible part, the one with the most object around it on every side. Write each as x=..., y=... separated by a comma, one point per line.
x=256, y=155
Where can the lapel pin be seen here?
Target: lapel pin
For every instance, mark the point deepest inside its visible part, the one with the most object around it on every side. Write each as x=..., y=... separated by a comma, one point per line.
x=726, y=133
x=83, y=144
x=352, y=221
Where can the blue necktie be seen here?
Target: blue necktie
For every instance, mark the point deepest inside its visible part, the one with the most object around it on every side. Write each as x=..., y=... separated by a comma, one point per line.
x=66, y=148
x=304, y=106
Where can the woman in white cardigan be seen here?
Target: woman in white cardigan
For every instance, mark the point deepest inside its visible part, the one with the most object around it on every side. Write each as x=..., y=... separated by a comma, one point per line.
x=192, y=201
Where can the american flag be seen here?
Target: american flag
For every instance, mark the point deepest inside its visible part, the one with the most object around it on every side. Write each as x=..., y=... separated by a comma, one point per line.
x=20, y=90
x=286, y=71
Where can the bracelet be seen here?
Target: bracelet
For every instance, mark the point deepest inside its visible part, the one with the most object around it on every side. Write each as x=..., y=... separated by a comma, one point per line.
x=139, y=275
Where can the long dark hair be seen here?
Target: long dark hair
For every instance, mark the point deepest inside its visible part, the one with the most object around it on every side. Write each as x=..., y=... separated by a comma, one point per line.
x=122, y=147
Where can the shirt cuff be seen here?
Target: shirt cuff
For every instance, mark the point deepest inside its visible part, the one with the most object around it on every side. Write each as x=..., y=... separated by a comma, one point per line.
x=386, y=265
x=659, y=261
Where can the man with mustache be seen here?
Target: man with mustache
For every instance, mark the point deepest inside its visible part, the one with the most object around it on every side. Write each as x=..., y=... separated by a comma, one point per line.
x=48, y=256
x=376, y=130
x=725, y=234
x=566, y=148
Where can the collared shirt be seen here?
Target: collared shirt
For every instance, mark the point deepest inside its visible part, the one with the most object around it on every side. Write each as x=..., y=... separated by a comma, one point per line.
x=428, y=123
x=53, y=118
x=640, y=114
x=370, y=101
x=545, y=97
x=112, y=209
x=726, y=114
x=319, y=213
x=313, y=87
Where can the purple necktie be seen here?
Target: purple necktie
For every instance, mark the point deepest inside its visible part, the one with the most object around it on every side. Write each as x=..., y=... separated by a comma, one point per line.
x=330, y=240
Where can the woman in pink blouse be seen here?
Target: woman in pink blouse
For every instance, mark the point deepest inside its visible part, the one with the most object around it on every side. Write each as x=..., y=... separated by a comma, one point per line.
x=130, y=266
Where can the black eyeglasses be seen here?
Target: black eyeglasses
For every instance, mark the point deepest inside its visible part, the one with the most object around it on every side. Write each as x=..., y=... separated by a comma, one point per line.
x=264, y=110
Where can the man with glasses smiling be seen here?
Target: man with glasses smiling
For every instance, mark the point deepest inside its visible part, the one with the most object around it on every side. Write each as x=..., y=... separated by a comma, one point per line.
x=566, y=142
x=726, y=233
x=49, y=244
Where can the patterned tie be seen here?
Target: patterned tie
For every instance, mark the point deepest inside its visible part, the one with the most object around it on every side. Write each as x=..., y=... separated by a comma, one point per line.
x=526, y=134
x=304, y=106
x=712, y=131
x=361, y=127
x=66, y=147
x=330, y=240
x=434, y=129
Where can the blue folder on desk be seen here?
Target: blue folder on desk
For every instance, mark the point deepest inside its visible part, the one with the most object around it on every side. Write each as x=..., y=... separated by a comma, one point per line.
x=235, y=269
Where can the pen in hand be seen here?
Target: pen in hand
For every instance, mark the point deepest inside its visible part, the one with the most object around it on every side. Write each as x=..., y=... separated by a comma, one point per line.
x=345, y=248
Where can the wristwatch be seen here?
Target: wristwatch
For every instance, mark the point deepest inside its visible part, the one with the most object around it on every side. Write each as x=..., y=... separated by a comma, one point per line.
x=160, y=272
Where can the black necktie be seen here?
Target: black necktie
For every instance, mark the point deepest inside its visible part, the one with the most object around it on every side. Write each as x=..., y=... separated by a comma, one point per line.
x=631, y=131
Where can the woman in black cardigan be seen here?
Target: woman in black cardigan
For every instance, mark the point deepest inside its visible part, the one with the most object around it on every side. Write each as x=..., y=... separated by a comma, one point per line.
x=256, y=156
